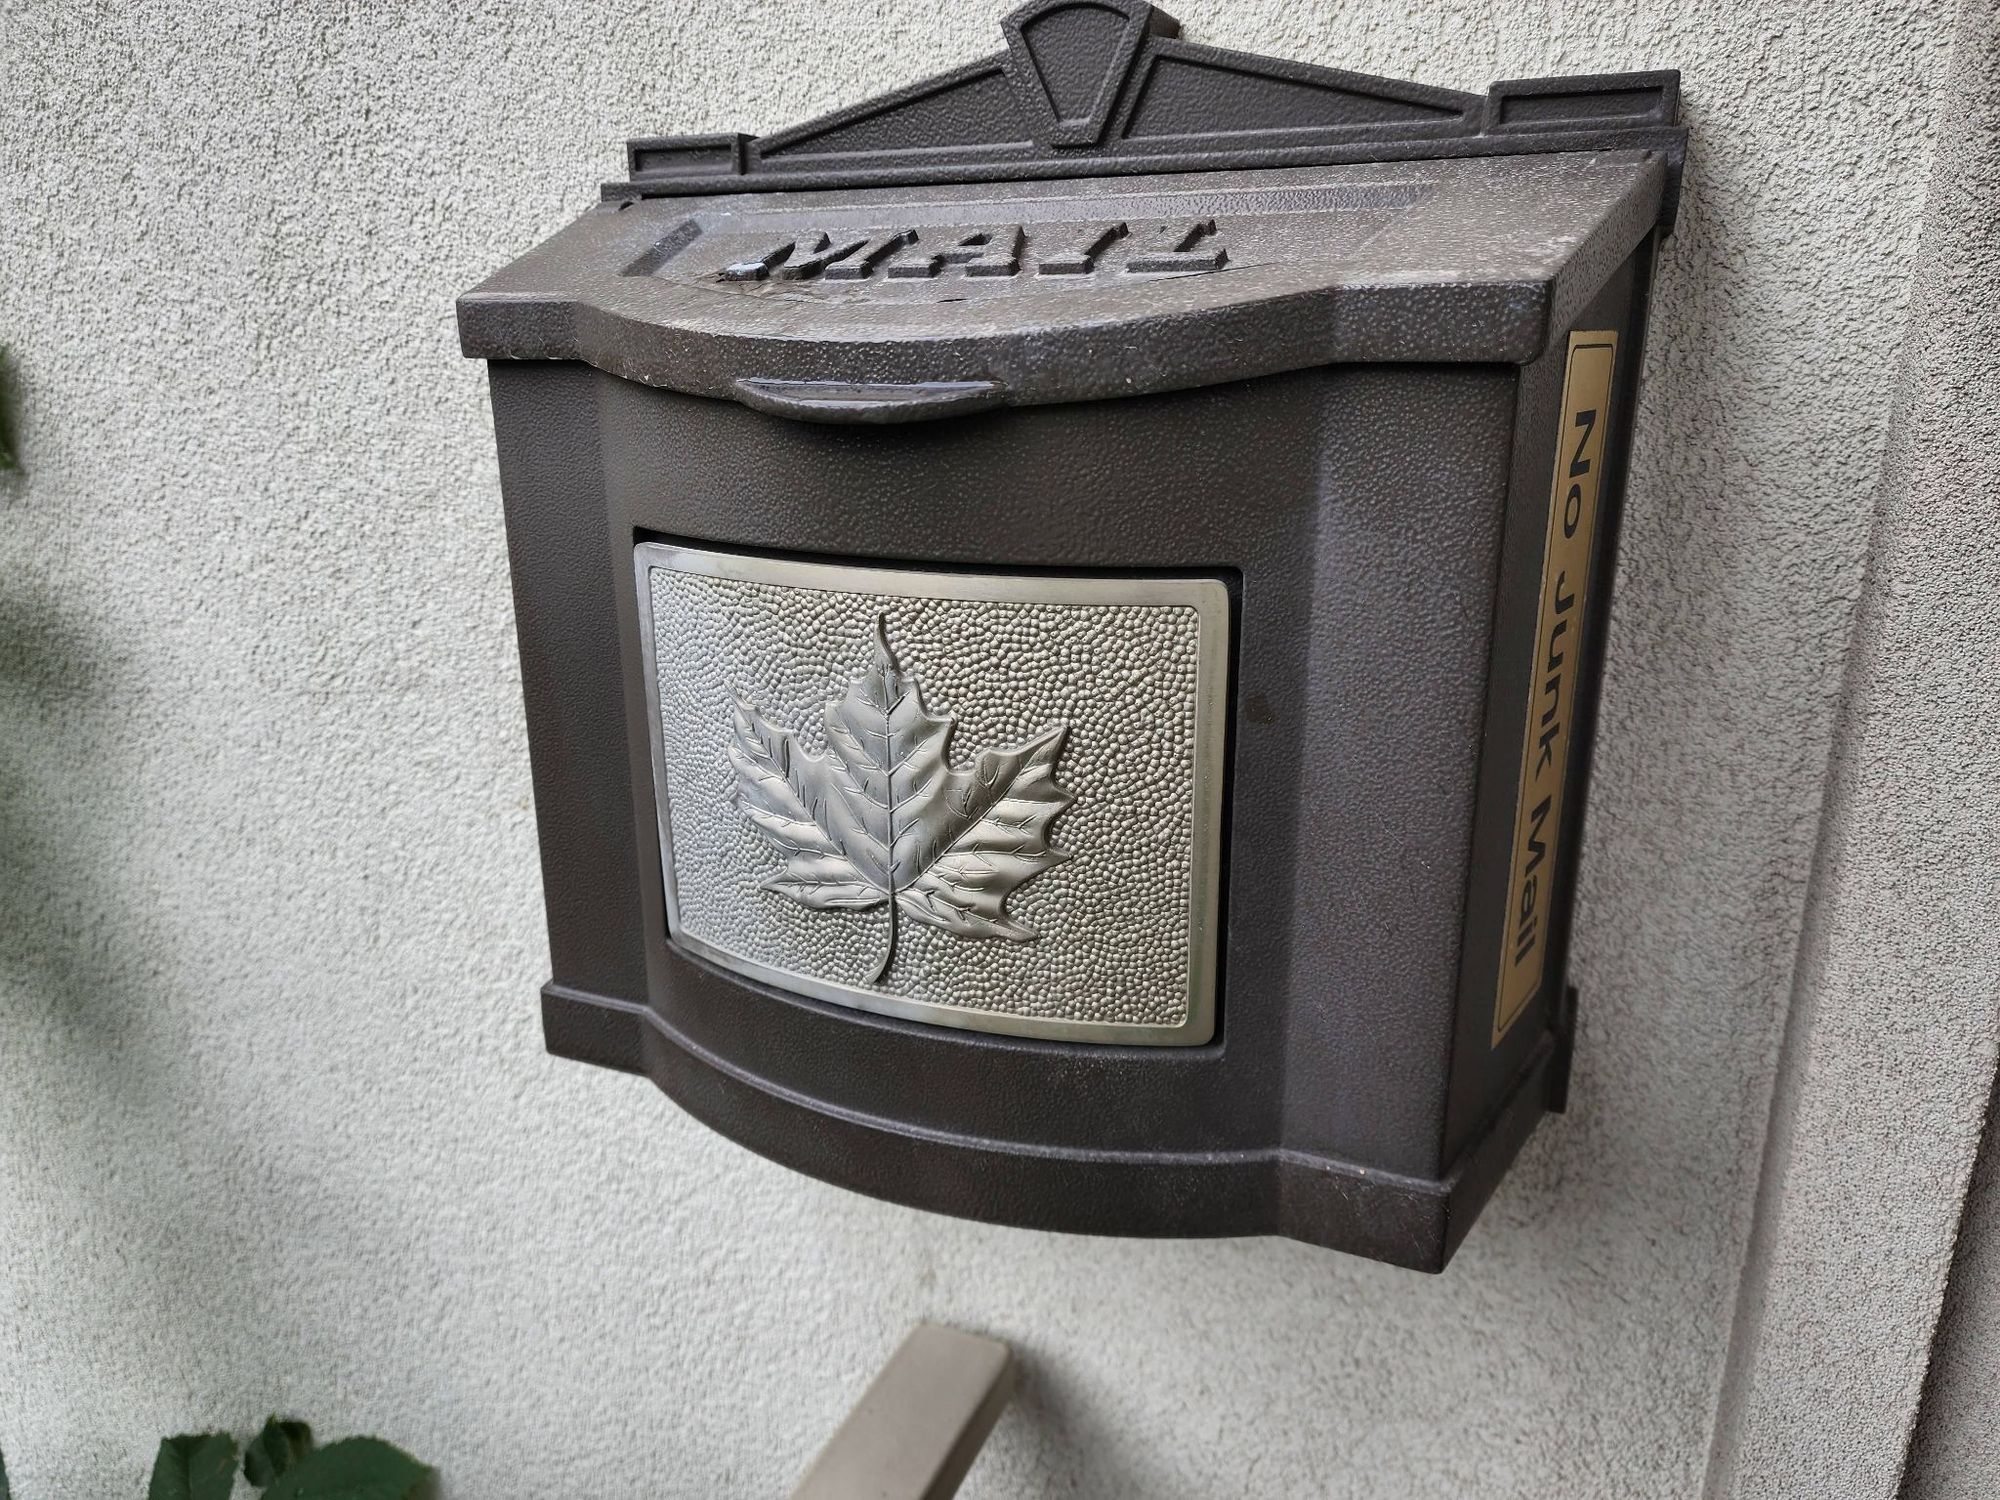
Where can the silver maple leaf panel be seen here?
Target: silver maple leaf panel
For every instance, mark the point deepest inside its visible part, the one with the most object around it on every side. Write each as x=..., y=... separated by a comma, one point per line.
x=883, y=818
x=981, y=801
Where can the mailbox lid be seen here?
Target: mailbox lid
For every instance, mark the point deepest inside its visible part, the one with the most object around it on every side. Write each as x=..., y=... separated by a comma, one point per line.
x=889, y=303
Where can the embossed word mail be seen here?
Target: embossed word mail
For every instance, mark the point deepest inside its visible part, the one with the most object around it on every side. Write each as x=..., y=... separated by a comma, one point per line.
x=1579, y=472
x=921, y=254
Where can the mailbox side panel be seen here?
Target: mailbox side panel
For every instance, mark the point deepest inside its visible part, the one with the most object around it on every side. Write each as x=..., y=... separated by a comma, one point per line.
x=1532, y=1050
x=552, y=484
x=1408, y=520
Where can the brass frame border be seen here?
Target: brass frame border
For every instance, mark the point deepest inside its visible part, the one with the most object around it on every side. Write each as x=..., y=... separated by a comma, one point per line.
x=1208, y=597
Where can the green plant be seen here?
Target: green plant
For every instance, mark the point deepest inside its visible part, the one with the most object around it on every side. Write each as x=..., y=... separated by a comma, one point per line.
x=200, y=1466
x=282, y=1462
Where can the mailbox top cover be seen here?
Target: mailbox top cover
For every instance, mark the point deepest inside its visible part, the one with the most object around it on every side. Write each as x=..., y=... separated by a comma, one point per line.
x=1100, y=209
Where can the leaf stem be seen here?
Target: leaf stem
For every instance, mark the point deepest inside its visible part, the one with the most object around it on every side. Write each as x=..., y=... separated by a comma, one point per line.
x=888, y=953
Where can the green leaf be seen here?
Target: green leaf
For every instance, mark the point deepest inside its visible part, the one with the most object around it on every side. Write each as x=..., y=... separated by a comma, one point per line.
x=194, y=1466
x=272, y=1451
x=352, y=1469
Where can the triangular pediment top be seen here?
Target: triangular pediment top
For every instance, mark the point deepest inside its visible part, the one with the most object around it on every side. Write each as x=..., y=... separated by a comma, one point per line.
x=1069, y=59
x=1189, y=91
x=1092, y=87
x=969, y=108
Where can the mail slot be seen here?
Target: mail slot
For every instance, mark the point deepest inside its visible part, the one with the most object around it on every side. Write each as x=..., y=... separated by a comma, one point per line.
x=1060, y=616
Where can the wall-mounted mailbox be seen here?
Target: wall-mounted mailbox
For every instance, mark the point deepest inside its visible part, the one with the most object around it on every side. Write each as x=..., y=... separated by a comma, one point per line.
x=1060, y=614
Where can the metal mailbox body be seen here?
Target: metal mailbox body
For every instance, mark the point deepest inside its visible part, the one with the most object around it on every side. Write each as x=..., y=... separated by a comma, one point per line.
x=1060, y=614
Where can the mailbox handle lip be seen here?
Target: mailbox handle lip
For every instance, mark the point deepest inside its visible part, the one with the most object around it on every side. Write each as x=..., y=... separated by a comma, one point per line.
x=872, y=402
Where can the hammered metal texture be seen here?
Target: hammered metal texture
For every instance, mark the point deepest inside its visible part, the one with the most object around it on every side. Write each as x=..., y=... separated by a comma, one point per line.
x=1114, y=923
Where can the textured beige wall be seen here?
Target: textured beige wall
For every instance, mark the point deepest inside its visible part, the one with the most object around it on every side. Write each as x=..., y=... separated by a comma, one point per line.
x=274, y=1126
x=1934, y=724
x=1955, y=1447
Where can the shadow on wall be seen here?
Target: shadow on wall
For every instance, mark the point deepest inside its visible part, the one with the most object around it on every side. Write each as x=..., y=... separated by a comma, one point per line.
x=59, y=948
x=1687, y=922
x=93, y=1090
x=10, y=450
x=1054, y=1416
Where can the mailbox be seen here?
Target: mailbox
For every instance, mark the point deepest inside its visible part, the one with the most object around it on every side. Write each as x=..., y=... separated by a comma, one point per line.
x=1060, y=612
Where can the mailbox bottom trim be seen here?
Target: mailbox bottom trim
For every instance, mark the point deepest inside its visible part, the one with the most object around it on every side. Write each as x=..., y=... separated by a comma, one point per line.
x=1414, y=1222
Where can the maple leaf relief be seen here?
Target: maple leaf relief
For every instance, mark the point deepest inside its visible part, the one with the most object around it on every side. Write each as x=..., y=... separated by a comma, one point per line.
x=882, y=816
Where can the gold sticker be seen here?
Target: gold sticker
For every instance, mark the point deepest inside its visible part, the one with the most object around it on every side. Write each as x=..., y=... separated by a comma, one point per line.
x=1558, y=658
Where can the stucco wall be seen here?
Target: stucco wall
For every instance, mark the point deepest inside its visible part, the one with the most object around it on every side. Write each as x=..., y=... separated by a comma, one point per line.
x=275, y=1130
x=1955, y=1448
x=1942, y=579
x=1889, y=1047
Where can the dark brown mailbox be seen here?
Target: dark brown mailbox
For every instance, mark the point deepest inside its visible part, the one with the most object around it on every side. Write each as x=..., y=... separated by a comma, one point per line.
x=1060, y=613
